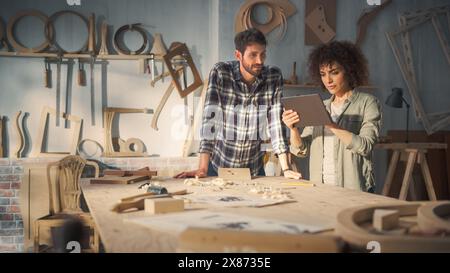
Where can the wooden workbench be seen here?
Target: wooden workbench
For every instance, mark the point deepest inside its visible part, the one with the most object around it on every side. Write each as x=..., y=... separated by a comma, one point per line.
x=315, y=206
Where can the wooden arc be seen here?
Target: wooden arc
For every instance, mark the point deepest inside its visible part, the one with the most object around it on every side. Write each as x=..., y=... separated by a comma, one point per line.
x=118, y=43
x=349, y=227
x=434, y=218
x=51, y=29
x=12, y=39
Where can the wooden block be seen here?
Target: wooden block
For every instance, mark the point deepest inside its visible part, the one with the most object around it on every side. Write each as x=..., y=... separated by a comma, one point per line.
x=163, y=205
x=109, y=179
x=235, y=173
x=385, y=219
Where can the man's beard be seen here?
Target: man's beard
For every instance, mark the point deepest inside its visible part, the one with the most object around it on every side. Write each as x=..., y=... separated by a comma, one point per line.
x=250, y=69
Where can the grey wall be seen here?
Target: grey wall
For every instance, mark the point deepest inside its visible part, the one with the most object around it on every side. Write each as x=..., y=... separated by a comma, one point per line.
x=208, y=29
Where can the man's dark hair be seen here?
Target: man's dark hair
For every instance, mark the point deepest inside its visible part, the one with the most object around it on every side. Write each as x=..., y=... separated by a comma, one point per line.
x=348, y=55
x=249, y=36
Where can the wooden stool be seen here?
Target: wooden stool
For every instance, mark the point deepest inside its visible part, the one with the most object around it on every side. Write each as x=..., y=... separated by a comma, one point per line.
x=416, y=154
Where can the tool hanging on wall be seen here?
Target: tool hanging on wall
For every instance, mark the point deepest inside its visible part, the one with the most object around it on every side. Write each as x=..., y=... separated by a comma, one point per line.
x=68, y=97
x=92, y=66
x=58, y=91
x=366, y=18
x=81, y=74
x=47, y=74
x=92, y=42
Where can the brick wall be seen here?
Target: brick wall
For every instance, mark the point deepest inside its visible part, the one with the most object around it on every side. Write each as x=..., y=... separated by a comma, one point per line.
x=11, y=225
x=11, y=171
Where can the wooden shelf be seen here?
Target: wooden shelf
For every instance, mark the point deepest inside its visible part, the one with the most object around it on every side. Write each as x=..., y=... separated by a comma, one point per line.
x=77, y=56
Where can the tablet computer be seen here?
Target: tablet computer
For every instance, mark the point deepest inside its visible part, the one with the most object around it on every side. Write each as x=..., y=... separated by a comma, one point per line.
x=310, y=108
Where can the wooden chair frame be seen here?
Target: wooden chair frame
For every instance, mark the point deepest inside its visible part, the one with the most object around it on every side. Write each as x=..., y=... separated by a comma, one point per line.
x=64, y=199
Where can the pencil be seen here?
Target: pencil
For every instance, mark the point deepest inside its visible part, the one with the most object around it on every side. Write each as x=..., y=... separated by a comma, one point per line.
x=298, y=184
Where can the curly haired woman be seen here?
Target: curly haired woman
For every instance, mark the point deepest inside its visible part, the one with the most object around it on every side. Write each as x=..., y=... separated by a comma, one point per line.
x=341, y=153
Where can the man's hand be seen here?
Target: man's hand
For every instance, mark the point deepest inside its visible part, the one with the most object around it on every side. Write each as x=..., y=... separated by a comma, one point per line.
x=290, y=118
x=200, y=173
x=292, y=175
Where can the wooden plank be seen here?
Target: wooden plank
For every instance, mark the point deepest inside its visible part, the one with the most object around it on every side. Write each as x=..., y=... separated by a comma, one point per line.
x=408, y=174
x=412, y=145
x=316, y=206
x=427, y=176
x=212, y=240
x=109, y=179
x=391, y=171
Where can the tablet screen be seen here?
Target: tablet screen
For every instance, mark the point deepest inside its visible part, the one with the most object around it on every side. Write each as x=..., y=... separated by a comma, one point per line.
x=310, y=108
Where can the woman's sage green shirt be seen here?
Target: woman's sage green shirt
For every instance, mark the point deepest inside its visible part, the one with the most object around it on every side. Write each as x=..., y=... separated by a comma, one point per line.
x=353, y=163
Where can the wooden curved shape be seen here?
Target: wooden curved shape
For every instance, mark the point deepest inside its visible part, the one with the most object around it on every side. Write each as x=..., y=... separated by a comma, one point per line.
x=243, y=17
x=366, y=18
x=82, y=153
x=49, y=34
x=349, y=227
x=118, y=43
x=19, y=130
x=161, y=104
x=12, y=39
x=125, y=145
x=434, y=218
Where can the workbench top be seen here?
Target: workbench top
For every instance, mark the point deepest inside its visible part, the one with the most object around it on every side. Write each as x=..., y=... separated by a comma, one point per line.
x=317, y=206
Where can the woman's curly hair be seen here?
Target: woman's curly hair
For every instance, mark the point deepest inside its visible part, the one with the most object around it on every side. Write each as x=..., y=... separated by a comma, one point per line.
x=348, y=55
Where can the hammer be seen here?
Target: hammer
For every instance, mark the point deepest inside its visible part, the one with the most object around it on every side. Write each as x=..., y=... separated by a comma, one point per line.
x=138, y=202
